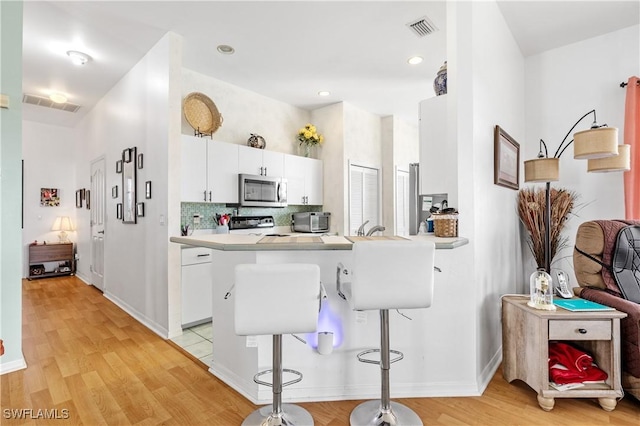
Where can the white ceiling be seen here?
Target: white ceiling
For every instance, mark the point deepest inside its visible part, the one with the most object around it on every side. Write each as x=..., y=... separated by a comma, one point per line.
x=284, y=50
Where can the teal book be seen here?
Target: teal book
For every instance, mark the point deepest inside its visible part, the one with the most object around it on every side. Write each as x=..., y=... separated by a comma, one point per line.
x=580, y=305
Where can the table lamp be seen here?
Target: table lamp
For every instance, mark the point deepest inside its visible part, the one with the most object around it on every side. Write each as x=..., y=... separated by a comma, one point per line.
x=62, y=224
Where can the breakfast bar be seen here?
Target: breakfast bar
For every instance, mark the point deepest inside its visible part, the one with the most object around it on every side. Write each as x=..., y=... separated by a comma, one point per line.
x=337, y=375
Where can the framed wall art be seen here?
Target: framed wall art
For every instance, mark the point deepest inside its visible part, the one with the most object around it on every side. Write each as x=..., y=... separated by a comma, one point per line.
x=114, y=191
x=119, y=211
x=79, y=198
x=506, y=160
x=147, y=190
x=140, y=209
x=129, y=186
x=87, y=198
x=119, y=166
x=139, y=161
x=49, y=197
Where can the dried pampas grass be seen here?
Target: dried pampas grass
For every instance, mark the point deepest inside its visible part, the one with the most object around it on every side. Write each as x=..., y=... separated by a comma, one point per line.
x=531, y=209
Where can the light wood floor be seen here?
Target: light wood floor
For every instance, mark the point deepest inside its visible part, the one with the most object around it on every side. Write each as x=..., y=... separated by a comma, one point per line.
x=87, y=356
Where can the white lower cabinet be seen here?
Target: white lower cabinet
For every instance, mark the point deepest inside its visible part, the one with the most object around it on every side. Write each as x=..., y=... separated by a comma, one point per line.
x=196, y=285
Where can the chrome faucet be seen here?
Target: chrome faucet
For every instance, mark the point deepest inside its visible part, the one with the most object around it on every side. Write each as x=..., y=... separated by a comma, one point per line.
x=360, y=232
x=375, y=229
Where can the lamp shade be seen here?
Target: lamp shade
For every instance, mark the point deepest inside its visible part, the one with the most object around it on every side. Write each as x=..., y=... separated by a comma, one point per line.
x=619, y=163
x=600, y=142
x=62, y=223
x=542, y=170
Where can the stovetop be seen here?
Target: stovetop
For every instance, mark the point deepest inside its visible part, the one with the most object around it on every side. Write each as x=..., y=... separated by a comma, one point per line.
x=251, y=222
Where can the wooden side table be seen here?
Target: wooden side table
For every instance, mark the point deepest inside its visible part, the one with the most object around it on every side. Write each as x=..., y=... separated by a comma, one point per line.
x=526, y=333
x=54, y=252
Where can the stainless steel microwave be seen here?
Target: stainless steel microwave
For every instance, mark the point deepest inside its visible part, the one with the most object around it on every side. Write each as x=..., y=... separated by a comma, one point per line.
x=262, y=191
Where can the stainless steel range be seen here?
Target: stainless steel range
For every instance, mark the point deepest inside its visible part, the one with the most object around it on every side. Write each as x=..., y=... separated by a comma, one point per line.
x=251, y=224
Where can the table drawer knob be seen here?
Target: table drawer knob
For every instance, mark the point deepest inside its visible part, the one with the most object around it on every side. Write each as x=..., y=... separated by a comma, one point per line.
x=582, y=331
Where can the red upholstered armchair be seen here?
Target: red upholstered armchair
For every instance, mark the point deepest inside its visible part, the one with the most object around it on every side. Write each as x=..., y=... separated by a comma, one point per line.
x=597, y=239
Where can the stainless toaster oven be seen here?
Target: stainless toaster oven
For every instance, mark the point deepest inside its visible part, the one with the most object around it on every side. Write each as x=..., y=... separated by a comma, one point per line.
x=310, y=222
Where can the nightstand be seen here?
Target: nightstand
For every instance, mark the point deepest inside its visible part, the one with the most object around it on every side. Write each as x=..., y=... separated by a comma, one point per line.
x=526, y=333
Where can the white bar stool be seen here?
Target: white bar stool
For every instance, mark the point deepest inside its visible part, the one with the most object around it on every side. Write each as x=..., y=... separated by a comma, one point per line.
x=389, y=275
x=277, y=299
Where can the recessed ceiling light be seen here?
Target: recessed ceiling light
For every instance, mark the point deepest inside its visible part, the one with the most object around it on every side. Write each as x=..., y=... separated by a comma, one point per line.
x=415, y=60
x=323, y=93
x=78, y=58
x=226, y=49
x=58, y=98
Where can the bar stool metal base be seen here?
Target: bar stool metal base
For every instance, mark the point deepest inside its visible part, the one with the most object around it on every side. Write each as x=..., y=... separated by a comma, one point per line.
x=291, y=415
x=370, y=413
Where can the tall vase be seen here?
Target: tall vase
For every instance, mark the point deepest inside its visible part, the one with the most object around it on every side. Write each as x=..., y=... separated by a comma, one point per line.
x=440, y=82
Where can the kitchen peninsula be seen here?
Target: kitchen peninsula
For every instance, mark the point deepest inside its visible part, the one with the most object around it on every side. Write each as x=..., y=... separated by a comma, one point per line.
x=338, y=375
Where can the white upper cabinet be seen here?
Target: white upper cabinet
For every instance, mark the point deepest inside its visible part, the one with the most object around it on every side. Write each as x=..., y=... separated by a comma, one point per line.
x=209, y=171
x=194, y=169
x=222, y=172
x=304, y=180
x=254, y=161
x=438, y=162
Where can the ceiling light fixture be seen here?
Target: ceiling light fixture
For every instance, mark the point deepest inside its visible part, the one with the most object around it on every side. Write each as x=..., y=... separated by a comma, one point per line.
x=58, y=98
x=323, y=93
x=78, y=58
x=226, y=49
x=415, y=60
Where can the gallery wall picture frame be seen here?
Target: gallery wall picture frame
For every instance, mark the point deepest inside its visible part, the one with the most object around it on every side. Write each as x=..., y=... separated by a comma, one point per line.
x=506, y=160
x=126, y=155
x=147, y=190
x=140, y=162
x=140, y=209
x=119, y=166
x=79, y=198
x=49, y=197
x=119, y=211
x=114, y=191
x=87, y=200
x=129, y=187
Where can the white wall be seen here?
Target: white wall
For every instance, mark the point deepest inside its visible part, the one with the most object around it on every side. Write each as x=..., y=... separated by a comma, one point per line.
x=10, y=187
x=138, y=111
x=48, y=153
x=498, y=99
x=245, y=112
x=563, y=84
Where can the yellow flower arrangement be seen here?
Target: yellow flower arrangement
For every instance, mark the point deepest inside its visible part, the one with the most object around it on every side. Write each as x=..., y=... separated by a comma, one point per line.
x=308, y=135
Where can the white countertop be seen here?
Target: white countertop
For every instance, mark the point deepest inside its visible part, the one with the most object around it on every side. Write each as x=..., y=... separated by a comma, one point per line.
x=294, y=241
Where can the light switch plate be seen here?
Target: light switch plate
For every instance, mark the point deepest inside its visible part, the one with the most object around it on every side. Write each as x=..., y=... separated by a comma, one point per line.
x=361, y=317
x=252, y=341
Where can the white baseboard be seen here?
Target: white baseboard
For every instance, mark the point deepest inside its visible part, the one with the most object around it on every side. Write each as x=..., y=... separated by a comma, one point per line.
x=489, y=371
x=10, y=367
x=151, y=325
x=300, y=393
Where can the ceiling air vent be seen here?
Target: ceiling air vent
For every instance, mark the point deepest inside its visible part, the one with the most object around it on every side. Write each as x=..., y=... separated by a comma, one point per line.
x=422, y=26
x=48, y=103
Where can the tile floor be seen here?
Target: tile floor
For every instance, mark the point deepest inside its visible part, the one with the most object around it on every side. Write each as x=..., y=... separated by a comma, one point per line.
x=198, y=341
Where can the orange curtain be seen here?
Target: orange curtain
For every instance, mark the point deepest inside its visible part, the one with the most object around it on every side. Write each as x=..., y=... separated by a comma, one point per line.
x=632, y=137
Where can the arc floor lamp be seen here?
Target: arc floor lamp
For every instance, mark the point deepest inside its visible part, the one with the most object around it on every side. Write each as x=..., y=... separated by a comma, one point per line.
x=598, y=145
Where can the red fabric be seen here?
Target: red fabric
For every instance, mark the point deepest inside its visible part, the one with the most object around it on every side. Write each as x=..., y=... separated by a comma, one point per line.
x=632, y=137
x=570, y=365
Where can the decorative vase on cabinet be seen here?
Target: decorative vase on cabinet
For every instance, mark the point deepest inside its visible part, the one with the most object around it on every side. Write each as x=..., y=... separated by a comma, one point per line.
x=440, y=82
x=307, y=150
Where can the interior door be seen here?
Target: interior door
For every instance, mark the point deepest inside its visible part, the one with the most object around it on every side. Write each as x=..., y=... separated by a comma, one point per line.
x=97, y=206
